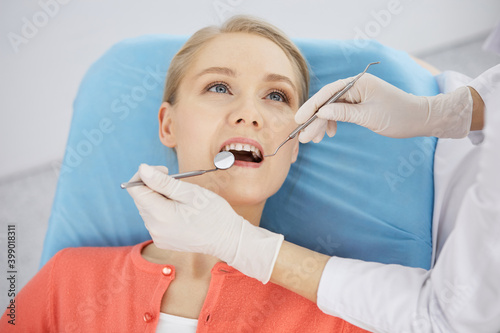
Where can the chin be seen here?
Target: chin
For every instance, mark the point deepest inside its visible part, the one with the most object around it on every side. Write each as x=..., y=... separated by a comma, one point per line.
x=247, y=196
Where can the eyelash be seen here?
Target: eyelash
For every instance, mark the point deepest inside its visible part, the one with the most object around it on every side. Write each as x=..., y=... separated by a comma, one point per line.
x=283, y=94
x=213, y=84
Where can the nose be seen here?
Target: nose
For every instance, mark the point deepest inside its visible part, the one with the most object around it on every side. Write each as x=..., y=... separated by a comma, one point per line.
x=247, y=114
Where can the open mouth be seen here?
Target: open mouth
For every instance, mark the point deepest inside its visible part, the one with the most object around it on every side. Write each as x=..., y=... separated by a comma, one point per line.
x=244, y=152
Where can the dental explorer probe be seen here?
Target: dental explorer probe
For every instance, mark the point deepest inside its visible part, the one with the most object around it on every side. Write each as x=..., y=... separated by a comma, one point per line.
x=332, y=99
x=222, y=161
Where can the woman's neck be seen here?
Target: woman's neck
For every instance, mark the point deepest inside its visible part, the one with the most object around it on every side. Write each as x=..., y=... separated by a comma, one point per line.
x=252, y=214
x=187, y=264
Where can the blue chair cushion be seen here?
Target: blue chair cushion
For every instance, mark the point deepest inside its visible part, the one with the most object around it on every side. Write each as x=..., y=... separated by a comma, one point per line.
x=357, y=195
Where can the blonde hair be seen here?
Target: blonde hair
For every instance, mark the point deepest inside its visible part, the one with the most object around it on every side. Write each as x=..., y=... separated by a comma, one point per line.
x=245, y=24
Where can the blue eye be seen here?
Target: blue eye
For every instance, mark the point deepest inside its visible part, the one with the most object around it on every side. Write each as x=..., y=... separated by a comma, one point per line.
x=277, y=96
x=218, y=88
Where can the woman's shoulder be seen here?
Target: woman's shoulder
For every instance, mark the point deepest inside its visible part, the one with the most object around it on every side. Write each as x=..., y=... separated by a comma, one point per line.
x=92, y=251
x=85, y=257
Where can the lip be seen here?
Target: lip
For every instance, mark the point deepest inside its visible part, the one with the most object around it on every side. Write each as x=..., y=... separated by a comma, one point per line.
x=247, y=141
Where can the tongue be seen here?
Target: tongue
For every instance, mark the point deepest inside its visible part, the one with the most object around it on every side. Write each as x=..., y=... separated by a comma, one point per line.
x=243, y=156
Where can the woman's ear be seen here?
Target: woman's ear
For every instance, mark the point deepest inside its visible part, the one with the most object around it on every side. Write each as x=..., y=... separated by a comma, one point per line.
x=295, y=151
x=167, y=134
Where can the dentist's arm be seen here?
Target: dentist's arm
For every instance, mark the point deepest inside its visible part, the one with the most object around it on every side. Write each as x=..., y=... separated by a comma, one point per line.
x=477, y=122
x=299, y=270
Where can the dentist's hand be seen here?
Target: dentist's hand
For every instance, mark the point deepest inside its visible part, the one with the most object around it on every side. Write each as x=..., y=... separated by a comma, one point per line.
x=387, y=110
x=185, y=217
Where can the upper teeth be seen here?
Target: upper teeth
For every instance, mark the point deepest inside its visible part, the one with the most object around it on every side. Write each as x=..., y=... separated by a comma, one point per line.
x=243, y=146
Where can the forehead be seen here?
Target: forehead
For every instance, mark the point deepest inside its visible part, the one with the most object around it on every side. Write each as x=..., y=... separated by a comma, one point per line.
x=244, y=53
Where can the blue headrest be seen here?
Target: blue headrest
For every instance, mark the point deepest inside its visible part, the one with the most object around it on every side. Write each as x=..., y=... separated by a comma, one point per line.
x=358, y=195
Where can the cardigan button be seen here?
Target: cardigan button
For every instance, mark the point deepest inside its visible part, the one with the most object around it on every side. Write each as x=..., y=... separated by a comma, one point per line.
x=166, y=271
x=148, y=317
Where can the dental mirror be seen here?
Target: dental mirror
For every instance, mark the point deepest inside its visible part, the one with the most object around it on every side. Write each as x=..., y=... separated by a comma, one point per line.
x=222, y=161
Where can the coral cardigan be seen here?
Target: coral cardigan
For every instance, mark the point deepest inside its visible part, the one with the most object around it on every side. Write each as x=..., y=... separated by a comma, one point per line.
x=114, y=289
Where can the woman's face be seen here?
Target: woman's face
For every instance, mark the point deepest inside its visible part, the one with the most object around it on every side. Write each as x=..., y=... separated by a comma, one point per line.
x=239, y=94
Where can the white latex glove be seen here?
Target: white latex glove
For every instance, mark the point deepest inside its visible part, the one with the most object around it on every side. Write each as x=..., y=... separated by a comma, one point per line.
x=387, y=110
x=185, y=217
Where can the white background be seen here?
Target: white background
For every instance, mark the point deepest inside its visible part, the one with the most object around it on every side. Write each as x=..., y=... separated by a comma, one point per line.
x=39, y=78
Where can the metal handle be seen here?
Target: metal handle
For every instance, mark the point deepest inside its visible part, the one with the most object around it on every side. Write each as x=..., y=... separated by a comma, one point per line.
x=176, y=176
x=304, y=125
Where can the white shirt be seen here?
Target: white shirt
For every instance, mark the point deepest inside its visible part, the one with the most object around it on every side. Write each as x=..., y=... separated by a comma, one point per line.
x=169, y=323
x=461, y=293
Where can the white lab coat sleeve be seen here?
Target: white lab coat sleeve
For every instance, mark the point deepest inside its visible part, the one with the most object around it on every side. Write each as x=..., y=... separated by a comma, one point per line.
x=455, y=167
x=462, y=292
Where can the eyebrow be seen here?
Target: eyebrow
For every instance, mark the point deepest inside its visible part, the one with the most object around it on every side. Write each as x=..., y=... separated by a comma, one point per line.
x=217, y=70
x=279, y=78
